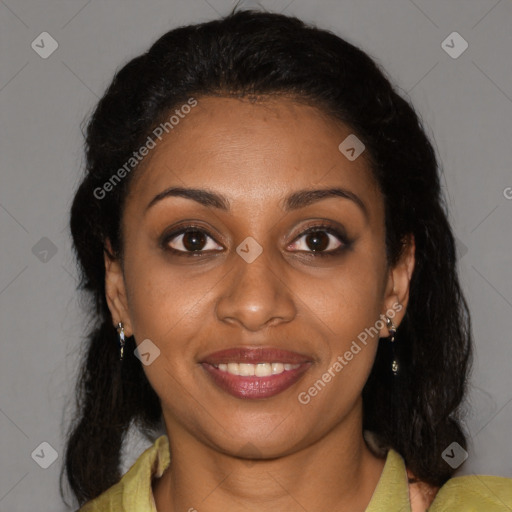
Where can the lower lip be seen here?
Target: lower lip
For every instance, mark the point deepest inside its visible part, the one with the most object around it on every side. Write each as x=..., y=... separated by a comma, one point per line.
x=255, y=387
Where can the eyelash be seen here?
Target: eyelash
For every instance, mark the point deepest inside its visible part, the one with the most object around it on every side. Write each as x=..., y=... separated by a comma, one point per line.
x=317, y=228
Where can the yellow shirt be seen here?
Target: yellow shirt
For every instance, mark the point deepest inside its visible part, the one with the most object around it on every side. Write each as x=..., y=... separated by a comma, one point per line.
x=133, y=493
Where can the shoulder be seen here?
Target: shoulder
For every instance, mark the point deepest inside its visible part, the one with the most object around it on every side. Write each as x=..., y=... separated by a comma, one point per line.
x=133, y=491
x=108, y=501
x=474, y=492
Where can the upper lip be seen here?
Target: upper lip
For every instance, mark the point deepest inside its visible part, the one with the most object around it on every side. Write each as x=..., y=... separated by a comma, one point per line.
x=255, y=355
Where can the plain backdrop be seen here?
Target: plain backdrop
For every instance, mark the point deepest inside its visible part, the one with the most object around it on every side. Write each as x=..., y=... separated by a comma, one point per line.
x=466, y=105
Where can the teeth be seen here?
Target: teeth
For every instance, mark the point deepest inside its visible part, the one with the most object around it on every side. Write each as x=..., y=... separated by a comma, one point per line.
x=258, y=370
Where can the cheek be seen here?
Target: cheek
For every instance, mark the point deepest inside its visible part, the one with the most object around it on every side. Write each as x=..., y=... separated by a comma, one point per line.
x=348, y=309
x=166, y=307
x=350, y=297
x=348, y=314
x=162, y=300
x=171, y=305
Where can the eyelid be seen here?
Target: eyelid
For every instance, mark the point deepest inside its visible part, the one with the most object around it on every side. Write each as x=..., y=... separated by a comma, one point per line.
x=315, y=226
x=324, y=226
x=337, y=232
x=166, y=238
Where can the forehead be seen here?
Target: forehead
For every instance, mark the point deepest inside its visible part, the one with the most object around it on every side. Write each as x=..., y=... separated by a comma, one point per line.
x=252, y=151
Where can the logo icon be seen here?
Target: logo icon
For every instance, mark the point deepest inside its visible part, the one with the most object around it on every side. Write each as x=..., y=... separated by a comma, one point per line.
x=454, y=455
x=147, y=352
x=454, y=45
x=351, y=147
x=44, y=250
x=249, y=249
x=461, y=249
x=45, y=455
x=249, y=452
x=44, y=45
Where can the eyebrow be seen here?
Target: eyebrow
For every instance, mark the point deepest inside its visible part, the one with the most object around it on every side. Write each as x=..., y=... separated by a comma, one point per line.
x=295, y=201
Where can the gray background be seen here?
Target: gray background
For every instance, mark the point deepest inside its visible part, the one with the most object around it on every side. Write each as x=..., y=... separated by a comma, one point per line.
x=466, y=104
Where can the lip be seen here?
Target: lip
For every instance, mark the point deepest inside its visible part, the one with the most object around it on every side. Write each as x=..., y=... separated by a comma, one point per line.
x=255, y=356
x=255, y=387
x=252, y=387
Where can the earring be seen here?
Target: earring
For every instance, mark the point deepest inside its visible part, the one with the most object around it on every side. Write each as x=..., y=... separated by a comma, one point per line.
x=120, y=332
x=392, y=331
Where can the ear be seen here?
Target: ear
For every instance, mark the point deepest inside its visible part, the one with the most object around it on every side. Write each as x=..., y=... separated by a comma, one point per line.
x=396, y=296
x=115, y=290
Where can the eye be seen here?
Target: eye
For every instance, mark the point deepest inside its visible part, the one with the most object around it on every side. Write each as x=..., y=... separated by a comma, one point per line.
x=321, y=240
x=190, y=239
x=318, y=240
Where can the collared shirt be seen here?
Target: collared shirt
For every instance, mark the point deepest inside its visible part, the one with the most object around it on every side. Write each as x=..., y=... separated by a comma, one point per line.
x=470, y=493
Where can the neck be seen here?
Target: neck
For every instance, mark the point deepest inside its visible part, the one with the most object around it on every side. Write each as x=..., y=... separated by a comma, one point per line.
x=337, y=472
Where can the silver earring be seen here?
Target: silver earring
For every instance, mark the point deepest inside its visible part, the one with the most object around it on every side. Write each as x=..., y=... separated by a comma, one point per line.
x=392, y=331
x=120, y=332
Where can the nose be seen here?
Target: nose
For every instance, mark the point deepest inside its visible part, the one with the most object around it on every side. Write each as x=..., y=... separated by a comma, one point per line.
x=256, y=295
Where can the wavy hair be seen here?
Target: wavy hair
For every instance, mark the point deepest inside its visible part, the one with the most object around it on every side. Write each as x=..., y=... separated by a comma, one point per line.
x=249, y=53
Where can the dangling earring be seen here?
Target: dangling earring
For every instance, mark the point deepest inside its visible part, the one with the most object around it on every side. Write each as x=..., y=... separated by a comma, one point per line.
x=392, y=331
x=120, y=332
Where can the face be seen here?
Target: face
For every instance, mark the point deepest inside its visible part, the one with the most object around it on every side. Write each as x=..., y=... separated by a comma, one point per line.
x=261, y=263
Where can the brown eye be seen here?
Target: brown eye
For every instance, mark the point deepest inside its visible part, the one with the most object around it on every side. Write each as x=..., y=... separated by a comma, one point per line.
x=194, y=240
x=321, y=241
x=318, y=241
x=190, y=240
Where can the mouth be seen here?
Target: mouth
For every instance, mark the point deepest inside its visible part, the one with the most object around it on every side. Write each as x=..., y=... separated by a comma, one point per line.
x=255, y=373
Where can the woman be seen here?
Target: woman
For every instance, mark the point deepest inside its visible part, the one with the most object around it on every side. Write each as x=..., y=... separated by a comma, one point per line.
x=262, y=229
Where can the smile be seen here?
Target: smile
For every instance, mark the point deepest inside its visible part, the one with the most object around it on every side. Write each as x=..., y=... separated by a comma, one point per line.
x=258, y=370
x=260, y=384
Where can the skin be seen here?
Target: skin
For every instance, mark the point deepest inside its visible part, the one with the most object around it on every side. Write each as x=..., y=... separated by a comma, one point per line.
x=256, y=154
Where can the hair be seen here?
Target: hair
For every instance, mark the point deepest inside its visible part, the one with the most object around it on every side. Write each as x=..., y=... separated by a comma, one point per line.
x=249, y=53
